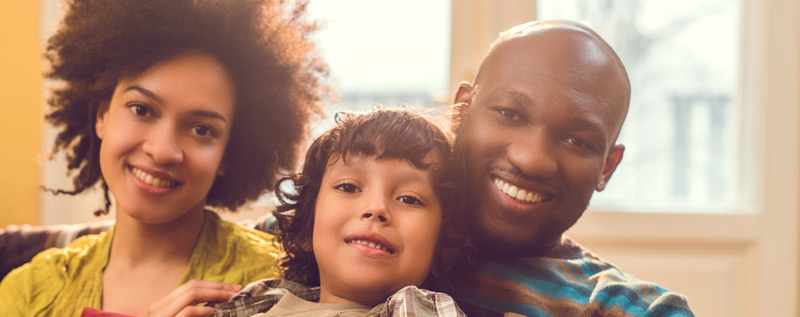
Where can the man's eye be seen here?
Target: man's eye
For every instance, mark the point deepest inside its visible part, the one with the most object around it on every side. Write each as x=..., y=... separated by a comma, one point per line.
x=347, y=188
x=139, y=110
x=580, y=143
x=410, y=200
x=510, y=114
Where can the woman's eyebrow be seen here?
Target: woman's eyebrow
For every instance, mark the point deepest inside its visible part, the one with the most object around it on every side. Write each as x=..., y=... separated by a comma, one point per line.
x=199, y=113
x=145, y=92
x=209, y=114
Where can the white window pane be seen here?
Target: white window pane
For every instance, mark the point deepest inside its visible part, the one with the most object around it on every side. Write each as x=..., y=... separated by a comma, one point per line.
x=681, y=130
x=385, y=52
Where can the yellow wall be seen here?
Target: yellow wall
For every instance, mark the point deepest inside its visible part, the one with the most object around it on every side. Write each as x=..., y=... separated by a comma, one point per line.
x=20, y=111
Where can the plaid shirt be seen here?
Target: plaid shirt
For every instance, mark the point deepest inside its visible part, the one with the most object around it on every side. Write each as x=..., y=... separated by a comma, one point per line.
x=410, y=301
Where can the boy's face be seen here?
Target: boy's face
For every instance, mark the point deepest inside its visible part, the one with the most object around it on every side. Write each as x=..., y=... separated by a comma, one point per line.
x=164, y=135
x=376, y=228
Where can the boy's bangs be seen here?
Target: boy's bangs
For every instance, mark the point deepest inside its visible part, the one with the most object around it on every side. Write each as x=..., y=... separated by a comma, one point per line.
x=390, y=135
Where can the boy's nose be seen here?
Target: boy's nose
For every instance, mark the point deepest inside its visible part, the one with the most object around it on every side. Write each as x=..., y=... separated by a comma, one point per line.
x=163, y=146
x=376, y=211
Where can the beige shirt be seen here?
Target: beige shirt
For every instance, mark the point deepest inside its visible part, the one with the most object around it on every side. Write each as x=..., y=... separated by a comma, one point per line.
x=290, y=305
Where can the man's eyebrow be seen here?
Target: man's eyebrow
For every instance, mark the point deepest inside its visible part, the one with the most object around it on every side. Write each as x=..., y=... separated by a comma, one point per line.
x=145, y=92
x=517, y=95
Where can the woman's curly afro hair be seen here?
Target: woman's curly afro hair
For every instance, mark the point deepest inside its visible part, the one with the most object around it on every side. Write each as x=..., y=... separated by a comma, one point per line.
x=264, y=44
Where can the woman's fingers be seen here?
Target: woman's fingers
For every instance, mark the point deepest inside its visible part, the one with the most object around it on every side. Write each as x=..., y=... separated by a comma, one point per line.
x=181, y=301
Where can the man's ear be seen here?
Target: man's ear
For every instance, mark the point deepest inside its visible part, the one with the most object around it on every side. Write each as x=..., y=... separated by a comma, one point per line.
x=461, y=104
x=612, y=161
x=100, y=120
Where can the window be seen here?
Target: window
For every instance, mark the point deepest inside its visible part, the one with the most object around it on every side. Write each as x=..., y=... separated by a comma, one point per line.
x=681, y=130
x=384, y=52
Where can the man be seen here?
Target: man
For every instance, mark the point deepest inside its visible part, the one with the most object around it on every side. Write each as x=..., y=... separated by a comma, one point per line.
x=536, y=132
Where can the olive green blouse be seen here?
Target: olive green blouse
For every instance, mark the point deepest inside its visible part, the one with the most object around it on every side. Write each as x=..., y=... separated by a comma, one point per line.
x=61, y=282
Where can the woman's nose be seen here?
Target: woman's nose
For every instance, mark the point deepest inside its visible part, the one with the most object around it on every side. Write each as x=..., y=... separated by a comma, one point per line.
x=163, y=146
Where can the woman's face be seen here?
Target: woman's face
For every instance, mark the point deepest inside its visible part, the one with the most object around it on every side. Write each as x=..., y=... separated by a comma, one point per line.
x=164, y=134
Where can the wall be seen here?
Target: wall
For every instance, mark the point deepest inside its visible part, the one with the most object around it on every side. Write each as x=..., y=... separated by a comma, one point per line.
x=20, y=111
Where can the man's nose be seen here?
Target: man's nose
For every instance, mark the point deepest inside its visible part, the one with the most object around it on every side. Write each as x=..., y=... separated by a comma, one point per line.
x=163, y=146
x=534, y=155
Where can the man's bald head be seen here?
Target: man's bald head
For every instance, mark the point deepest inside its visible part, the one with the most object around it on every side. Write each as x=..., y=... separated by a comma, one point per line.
x=587, y=47
x=537, y=133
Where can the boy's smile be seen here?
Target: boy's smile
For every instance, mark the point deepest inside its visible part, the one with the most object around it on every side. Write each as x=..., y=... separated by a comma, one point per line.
x=376, y=227
x=370, y=243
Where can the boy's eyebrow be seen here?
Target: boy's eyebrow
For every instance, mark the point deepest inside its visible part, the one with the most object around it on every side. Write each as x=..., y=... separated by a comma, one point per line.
x=199, y=113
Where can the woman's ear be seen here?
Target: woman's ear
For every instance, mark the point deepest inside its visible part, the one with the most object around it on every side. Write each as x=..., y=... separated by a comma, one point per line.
x=101, y=119
x=223, y=168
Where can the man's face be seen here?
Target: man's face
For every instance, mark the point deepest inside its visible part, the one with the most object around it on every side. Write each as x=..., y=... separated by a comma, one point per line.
x=537, y=134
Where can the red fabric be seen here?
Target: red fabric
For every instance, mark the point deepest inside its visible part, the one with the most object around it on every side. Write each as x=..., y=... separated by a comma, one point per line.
x=91, y=312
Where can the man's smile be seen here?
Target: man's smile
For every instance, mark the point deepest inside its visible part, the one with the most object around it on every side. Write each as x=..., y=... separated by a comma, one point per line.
x=519, y=194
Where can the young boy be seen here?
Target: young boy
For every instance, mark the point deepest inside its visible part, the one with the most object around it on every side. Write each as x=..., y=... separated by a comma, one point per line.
x=364, y=222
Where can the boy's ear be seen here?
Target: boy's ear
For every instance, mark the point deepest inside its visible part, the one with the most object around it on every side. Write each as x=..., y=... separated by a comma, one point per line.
x=101, y=119
x=612, y=161
x=308, y=247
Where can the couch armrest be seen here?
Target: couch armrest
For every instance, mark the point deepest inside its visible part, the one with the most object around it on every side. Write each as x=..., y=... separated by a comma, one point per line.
x=18, y=244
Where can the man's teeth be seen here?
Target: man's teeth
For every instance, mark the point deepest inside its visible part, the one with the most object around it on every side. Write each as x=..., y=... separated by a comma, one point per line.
x=517, y=193
x=152, y=180
x=371, y=245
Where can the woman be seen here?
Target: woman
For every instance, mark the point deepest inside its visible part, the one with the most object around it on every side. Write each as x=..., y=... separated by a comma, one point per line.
x=172, y=106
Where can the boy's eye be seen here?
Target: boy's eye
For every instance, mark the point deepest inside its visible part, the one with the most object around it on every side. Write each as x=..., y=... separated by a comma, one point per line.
x=347, y=188
x=410, y=200
x=139, y=110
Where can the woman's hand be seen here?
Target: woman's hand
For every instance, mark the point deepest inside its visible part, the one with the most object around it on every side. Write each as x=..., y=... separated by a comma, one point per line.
x=182, y=301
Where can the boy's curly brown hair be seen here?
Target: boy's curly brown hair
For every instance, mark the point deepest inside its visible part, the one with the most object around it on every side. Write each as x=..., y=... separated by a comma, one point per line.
x=385, y=133
x=264, y=44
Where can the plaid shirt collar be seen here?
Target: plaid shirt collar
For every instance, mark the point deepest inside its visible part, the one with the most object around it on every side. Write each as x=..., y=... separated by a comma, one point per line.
x=410, y=301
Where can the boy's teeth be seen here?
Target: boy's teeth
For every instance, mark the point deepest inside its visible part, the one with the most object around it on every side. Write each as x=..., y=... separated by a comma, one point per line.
x=371, y=245
x=152, y=180
x=517, y=193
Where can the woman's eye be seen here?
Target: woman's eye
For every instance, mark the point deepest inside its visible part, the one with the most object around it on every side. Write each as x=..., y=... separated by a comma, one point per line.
x=410, y=200
x=347, y=188
x=203, y=130
x=139, y=110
